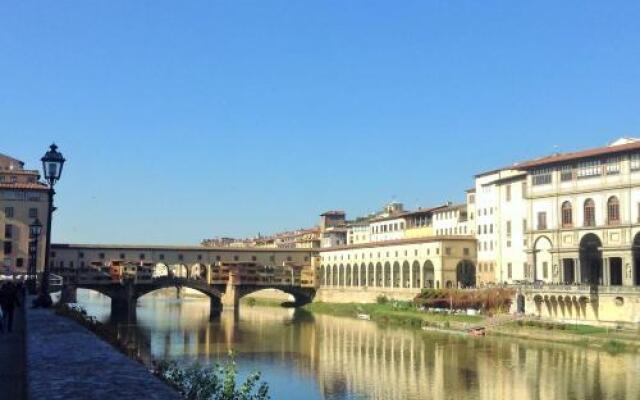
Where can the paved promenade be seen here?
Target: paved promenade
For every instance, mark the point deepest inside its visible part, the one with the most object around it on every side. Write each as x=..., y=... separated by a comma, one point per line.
x=12, y=366
x=65, y=361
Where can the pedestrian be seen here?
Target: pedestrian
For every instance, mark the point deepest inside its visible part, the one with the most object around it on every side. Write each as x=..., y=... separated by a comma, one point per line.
x=8, y=302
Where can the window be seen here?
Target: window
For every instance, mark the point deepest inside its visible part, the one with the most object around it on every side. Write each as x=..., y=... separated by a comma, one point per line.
x=508, y=243
x=542, y=220
x=80, y=254
x=545, y=270
x=509, y=270
x=142, y=256
x=524, y=190
x=465, y=251
x=180, y=257
x=589, y=213
x=541, y=177
x=508, y=228
x=613, y=210
x=8, y=231
x=634, y=162
x=122, y=256
x=447, y=251
x=524, y=225
x=508, y=192
x=7, y=248
x=253, y=258
x=566, y=173
x=567, y=215
x=101, y=255
x=33, y=213
x=613, y=166
x=161, y=256
x=589, y=169
x=472, y=198
x=235, y=258
x=8, y=212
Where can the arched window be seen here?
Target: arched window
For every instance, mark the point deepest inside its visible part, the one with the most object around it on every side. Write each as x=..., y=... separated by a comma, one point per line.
x=567, y=215
x=589, y=213
x=613, y=210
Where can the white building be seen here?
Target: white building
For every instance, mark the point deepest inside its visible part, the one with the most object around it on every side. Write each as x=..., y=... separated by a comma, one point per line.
x=451, y=220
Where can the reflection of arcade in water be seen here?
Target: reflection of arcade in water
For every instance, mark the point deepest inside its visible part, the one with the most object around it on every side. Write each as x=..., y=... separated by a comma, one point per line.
x=352, y=359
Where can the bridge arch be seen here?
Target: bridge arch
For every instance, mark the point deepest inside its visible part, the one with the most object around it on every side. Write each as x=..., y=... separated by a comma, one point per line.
x=334, y=275
x=362, y=279
x=347, y=281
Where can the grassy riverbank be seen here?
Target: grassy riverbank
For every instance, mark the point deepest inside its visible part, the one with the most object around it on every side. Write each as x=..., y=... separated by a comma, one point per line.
x=395, y=313
x=611, y=340
x=405, y=314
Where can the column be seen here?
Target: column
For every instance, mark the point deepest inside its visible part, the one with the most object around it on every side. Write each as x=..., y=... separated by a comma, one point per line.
x=606, y=271
x=577, y=272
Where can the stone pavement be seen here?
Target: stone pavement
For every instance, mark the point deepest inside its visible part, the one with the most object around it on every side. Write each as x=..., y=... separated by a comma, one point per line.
x=12, y=360
x=66, y=361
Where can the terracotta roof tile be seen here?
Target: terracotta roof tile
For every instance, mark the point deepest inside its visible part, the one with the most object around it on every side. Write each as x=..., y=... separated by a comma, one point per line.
x=27, y=186
x=564, y=157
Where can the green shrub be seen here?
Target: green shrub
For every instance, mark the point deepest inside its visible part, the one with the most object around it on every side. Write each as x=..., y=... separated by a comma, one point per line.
x=217, y=382
x=382, y=299
x=251, y=302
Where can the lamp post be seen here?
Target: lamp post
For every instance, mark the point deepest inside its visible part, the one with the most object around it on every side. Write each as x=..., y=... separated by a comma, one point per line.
x=35, y=230
x=52, y=163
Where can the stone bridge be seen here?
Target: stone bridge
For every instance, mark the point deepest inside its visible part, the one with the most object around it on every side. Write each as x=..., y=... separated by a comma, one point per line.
x=224, y=274
x=125, y=294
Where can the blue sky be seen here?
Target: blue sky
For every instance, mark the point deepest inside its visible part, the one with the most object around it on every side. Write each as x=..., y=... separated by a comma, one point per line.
x=184, y=120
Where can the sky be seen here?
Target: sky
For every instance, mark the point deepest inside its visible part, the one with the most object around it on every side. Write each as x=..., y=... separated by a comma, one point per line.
x=186, y=120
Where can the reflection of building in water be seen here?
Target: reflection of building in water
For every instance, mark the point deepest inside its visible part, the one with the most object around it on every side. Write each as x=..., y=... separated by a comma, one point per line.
x=374, y=362
x=360, y=357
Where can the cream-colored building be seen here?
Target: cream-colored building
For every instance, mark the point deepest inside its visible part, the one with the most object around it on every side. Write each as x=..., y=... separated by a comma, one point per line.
x=585, y=213
x=396, y=268
x=23, y=199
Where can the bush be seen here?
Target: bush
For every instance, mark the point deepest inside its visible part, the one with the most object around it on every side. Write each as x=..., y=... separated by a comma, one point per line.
x=488, y=300
x=382, y=299
x=217, y=382
x=251, y=302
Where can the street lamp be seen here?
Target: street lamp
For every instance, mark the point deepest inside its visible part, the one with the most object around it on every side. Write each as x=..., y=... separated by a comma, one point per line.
x=52, y=163
x=35, y=230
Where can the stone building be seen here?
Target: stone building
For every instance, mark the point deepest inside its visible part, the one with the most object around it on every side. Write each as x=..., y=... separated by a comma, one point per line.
x=396, y=268
x=23, y=199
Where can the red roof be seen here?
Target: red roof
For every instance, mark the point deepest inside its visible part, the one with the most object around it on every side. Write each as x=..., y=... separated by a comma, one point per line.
x=564, y=157
x=26, y=186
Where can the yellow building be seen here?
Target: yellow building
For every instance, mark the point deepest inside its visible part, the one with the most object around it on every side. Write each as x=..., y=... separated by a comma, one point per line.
x=23, y=199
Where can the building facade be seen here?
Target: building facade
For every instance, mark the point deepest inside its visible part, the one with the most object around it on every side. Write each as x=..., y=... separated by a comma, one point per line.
x=396, y=268
x=23, y=199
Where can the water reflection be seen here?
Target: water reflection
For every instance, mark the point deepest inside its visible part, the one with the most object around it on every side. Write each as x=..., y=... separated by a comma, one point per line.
x=306, y=356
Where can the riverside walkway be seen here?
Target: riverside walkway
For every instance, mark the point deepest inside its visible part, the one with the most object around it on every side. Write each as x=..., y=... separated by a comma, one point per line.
x=12, y=360
x=65, y=361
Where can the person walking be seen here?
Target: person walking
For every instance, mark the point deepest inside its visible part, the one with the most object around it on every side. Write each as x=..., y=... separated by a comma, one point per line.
x=8, y=301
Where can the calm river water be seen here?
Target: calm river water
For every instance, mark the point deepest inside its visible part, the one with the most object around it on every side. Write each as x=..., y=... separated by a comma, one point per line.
x=306, y=356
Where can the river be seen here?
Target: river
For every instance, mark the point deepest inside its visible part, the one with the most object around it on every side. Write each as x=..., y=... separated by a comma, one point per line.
x=307, y=356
